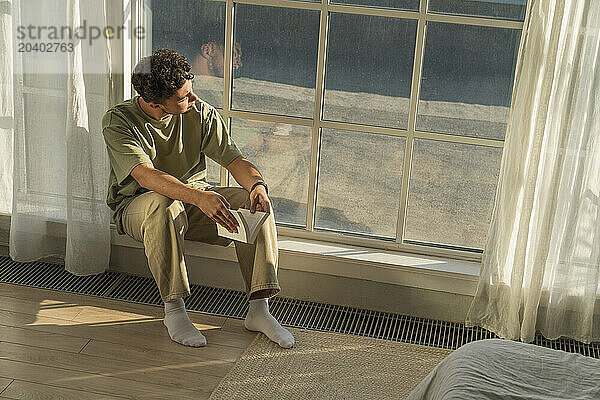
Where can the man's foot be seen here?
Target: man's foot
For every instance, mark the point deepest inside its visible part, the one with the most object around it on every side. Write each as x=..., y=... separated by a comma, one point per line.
x=179, y=325
x=259, y=319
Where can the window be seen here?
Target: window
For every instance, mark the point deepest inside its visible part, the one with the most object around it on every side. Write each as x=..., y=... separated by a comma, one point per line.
x=378, y=123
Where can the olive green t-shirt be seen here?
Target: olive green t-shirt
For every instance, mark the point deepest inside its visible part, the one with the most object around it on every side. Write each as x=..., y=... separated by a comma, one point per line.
x=176, y=145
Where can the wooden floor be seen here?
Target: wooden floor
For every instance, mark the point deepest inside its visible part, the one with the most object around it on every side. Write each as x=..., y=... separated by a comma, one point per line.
x=57, y=345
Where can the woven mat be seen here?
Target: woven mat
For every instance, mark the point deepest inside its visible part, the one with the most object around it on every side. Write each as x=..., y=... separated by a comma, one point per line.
x=325, y=365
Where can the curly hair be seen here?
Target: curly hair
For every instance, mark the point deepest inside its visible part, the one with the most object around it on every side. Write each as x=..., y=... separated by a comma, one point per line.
x=157, y=77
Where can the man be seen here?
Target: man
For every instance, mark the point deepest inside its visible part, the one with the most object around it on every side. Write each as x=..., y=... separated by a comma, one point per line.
x=209, y=61
x=157, y=142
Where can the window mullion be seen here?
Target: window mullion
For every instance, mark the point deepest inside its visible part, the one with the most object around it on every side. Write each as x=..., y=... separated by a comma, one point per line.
x=318, y=112
x=412, y=116
x=227, y=77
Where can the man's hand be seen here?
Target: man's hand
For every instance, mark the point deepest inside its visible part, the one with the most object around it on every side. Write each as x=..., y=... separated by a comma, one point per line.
x=213, y=204
x=259, y=201
x=216, y=207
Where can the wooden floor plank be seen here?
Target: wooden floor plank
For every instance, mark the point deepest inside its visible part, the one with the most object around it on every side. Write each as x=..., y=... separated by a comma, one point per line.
x=169, y=373
x=47, y=308
x=217, y=365
x=57, y=343
x=29, y=390
x=38, y=294
x=64, y=340
x=88, y=306
x=238, y=336
x=4, y=382
x=149, y=353
x=113, y=333
x=103, y=315
x=91, y=382
x=91, y=314
x=48, y=340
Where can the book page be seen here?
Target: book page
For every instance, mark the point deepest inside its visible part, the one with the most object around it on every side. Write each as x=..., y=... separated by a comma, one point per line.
x=250, y=225
x=242, y=234
x=254, y=221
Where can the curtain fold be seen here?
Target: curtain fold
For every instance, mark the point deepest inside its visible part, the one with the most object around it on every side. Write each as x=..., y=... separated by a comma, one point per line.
x=61, y=167
x=6, y=106
x=541, y=264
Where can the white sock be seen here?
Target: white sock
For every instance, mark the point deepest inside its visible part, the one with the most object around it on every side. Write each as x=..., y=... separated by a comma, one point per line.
x=259, y=319
x=179, y=325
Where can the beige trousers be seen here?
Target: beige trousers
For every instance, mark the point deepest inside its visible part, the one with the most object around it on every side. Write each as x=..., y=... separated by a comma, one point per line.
x=162, y=224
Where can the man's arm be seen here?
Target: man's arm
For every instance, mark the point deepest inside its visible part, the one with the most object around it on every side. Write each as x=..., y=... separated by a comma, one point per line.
x=165, y=184
x=213, y=204
x=246, y=174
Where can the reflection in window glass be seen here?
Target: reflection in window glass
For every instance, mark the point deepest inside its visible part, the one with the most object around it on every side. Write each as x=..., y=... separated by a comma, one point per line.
x=358, y=193
x=411, y=5
x=281, y=152
x=195, y=29
x=369, y=70
x=451, y=193
x=505, y=9
x=279, y=49
x=467, y=80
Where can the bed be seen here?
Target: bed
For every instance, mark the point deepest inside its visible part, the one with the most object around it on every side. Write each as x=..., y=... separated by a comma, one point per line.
x=505, y=369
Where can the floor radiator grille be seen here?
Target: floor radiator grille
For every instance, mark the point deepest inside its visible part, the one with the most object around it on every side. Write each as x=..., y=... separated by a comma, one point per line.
x=290, y=312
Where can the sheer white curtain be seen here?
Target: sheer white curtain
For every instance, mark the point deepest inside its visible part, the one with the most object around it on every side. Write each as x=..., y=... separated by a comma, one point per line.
x=60, y=162
x=541, y=264
x=6, y=107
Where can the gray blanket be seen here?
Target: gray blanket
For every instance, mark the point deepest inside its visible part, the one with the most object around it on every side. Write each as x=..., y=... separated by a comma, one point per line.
x=506, y=370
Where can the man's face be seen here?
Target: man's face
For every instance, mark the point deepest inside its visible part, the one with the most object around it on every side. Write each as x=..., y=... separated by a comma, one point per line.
x=182, y=101
x=216, y=61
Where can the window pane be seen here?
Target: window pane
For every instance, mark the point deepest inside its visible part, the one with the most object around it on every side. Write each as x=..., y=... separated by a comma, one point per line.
x=281, y=152
x=506, y=9
x=467, y=82
x=451, y=193
x=412, y=5
x=279, y=48
x=195, y=29
x=369, y=70
x=358, y=193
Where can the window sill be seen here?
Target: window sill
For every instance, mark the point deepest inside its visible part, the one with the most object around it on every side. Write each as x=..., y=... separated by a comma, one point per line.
x=432, y=273
x=411, y=270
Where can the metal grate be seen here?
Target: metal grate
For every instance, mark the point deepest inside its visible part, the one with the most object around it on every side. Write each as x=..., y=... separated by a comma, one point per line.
x=290, y=312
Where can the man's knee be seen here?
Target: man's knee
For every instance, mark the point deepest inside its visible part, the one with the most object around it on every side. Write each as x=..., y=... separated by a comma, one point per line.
x=240, y=199
x=163, y=206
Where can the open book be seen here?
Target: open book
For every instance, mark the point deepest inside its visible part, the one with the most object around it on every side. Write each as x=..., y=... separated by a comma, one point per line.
x=249, y=225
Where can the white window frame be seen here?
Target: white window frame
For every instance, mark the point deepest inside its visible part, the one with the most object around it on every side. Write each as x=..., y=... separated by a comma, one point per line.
x=134, y=10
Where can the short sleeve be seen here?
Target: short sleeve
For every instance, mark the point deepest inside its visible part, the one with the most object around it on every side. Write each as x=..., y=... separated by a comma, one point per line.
x=217, y=144
x=124, y=150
